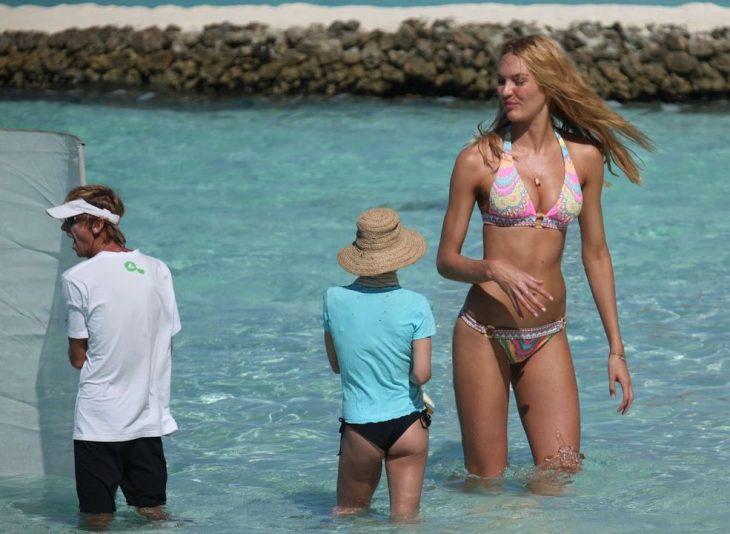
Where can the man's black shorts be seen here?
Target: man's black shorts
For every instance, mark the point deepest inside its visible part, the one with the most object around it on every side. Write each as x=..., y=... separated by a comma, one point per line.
x=137, y=466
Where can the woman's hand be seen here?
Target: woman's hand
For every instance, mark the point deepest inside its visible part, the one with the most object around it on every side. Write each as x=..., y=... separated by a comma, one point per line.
x=524, y=291
x=618, y=371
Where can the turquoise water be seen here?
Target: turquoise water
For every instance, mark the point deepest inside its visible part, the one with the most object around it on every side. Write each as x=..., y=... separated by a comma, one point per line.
x=381, y=3
x=248, y=201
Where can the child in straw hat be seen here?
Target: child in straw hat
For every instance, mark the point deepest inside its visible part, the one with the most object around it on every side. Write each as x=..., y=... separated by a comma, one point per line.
x=378, y=338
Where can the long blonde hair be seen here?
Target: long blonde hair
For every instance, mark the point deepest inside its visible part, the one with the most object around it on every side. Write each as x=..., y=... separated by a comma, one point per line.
x=574, y=106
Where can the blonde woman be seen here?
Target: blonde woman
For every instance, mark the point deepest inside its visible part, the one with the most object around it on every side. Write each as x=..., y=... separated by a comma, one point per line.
x=535, y=169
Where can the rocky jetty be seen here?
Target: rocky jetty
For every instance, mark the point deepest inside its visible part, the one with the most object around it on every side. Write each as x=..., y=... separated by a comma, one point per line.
x=441, y=58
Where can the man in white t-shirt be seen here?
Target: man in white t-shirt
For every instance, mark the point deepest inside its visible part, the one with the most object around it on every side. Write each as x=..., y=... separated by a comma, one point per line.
x=122, y=316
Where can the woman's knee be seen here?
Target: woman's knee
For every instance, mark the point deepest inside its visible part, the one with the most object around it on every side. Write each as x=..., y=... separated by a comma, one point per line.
x=485, y=468
x=566, y=459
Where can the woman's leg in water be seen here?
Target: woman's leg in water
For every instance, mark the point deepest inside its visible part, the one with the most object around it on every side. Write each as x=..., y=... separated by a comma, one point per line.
x=547, y=399
x=481, y=386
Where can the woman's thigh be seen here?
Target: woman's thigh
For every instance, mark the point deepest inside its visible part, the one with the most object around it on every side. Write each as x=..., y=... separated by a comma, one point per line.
x=547, y=399
x=481, y=385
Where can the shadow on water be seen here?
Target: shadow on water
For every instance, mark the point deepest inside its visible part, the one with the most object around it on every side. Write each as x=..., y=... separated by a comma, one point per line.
x=423, y=205
x=319, y=505
x=316, y=500
x=49, y=500
x=516, y=481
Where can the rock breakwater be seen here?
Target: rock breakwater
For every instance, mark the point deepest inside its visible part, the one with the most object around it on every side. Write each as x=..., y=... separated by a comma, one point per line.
x=440, y=58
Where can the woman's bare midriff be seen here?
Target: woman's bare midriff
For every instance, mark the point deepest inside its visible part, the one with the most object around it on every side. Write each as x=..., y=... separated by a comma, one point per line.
x=538, y=252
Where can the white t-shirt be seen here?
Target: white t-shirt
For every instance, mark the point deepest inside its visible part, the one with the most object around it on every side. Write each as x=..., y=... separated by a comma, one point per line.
x=124, y=303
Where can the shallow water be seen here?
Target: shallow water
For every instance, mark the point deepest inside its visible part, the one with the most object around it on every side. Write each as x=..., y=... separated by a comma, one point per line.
x=248, y=202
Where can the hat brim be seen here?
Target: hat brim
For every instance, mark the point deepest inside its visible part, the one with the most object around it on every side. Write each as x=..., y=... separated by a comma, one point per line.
x=64, y=211
x=407, y=250
x=79, y=206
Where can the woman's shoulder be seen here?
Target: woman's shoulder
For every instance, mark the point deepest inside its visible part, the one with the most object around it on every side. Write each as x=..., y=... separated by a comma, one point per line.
x=582, y=147
x=477, y=158
x=586, y=156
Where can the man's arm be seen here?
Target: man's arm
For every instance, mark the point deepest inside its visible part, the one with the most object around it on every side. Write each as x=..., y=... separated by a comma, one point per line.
x=77, y=351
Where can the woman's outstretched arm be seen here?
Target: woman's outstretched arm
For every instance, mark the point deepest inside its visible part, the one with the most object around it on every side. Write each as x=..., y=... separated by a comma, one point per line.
x=599, y=270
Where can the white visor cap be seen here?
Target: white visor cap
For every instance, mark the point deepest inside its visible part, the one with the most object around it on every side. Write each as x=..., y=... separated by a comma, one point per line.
x=79, y=206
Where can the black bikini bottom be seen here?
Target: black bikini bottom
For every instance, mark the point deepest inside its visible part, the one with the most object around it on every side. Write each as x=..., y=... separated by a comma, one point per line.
x=384, y=434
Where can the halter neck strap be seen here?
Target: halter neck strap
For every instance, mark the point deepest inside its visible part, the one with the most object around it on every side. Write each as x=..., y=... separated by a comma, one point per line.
x=507, y=143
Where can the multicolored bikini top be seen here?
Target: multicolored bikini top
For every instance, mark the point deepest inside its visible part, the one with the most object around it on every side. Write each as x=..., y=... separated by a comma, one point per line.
x=510, y=203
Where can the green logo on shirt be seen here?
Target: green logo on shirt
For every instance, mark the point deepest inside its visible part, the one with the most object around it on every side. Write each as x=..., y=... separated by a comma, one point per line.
x=132, y=267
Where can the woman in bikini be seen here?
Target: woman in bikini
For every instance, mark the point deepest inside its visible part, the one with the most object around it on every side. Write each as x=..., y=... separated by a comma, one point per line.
x=378, y=338
x=535, y=169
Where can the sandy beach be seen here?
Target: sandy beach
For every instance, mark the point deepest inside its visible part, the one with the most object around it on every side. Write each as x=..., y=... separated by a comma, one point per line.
x=693, y=16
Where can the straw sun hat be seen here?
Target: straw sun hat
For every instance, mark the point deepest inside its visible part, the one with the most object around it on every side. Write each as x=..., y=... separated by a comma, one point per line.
x=382, y=244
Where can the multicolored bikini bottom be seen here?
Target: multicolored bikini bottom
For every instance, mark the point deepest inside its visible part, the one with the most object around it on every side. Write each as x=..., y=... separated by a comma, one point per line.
x=518, y=343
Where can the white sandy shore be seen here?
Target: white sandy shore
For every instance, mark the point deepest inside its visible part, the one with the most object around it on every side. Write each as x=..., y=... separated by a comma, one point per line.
x=694, y=16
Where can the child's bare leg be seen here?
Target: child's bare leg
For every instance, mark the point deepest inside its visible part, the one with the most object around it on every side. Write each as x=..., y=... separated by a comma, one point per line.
x=405, y=465
x=358, y=474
